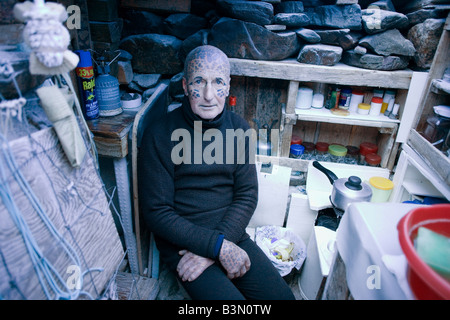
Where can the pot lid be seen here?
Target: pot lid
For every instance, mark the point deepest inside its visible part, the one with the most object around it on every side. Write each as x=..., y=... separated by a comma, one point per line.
x=353, y=188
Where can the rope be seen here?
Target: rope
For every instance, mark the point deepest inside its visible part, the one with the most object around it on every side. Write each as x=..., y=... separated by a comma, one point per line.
x=48, y=276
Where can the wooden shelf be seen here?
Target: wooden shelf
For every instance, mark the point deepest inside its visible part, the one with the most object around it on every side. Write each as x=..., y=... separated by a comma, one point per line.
x=325, y=115
x=342, y=74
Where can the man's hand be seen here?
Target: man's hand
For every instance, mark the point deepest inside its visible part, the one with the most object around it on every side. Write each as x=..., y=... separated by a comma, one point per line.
x=191, y=266
x=235, y=260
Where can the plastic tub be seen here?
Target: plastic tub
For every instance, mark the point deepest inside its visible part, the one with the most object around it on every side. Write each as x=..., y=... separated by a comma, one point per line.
x=425, y=283
x=381, y=189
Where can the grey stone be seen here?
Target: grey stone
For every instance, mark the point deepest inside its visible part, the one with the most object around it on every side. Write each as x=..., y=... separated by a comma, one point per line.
x=344, y=38
x=320, y=54
x=146, y=81
x=376, y=20
x=197, y=39
x=291, y=19
x=289, y=7
x=425, y=37
x=250, y=11
x=383, y=5
x=240, y=39
x=390, y=42
x=421, y=15
x=183, y=25
x=334, y=16
x=308, y=35
x=374, y=62
x=154, y=53
x=140, y=22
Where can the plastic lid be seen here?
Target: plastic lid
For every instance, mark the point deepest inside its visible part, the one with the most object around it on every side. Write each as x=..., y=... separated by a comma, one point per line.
x=364, y=106
x=337, y=150
x=377, y=100
x=367, y=147
x=297, y=149
x=85, y=58
x=373, y=158
x=296, y=139
x=346, y=90
x=309, y=146
x=381, y=183
x=232, y=101
x=359, y=93
x=352, y=150
x=322, y=146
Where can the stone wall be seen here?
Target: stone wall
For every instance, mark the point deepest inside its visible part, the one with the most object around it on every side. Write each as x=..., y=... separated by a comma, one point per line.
x=368, y=34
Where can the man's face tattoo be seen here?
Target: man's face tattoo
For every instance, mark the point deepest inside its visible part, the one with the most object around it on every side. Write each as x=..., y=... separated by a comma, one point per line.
x=207, y=81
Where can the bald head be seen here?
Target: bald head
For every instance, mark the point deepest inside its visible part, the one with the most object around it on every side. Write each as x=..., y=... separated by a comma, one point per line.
x=206, y=57
x=206, y=81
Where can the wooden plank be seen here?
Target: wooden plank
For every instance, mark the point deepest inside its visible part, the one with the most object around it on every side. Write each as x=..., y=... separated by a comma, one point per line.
x=436, y=160
x=135, y=287
x=291, y=69
x=74, y=201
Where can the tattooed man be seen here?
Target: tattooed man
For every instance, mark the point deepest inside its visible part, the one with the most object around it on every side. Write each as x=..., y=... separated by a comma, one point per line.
x=199, y=210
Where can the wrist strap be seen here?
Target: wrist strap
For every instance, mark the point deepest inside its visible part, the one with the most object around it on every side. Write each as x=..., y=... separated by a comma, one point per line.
x=218, y=245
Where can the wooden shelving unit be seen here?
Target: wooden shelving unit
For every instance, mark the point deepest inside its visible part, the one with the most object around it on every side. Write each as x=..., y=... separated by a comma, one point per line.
x=409, y=86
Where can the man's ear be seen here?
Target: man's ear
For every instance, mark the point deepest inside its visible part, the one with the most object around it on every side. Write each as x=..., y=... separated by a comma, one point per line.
x=185, y=88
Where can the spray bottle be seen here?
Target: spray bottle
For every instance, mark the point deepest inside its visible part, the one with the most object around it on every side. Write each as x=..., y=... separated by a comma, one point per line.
x=86, y=85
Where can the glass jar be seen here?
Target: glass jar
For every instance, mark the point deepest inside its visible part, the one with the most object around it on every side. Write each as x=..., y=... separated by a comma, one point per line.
x=322, y=152
x=366, y=148
x=344, y=98
x=372, y=160
x=296, y=151
x=337, y=153
x=308, y=153
x=296, y=139
x=352, y=155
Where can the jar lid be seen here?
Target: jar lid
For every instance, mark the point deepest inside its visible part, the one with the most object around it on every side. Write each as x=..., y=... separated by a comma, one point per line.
x=296, y=139
x=297, y=149
x=346, y=90
x=381, y=183
x=373, y=158
x=309, y=146
x=364, y=106
x=377, y=100
x=367, y=147
x=322, y=146
x=352, y=150
x=359, y=93
x=337, y=150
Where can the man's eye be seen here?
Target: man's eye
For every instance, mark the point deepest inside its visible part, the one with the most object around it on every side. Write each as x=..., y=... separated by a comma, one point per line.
x=198, y=81
x=219, y=81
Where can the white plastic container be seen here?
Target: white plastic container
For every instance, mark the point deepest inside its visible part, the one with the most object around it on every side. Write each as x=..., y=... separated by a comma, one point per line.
x=375, y=106
x=317, y=101
x=355, y=100
x=304, y=98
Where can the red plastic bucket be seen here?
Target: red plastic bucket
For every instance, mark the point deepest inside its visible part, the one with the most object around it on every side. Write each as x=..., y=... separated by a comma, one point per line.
x=425, y=283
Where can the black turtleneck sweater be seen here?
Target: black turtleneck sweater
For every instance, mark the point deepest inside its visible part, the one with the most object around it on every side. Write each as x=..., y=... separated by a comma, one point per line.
x=188, y=205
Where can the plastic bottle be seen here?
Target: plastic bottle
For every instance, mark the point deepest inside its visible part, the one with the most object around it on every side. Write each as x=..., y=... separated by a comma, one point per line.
x=344, y=98
x=232, y=103
x=375, y=106
x=388, y=96
x=86, y=85
x=355, y=100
